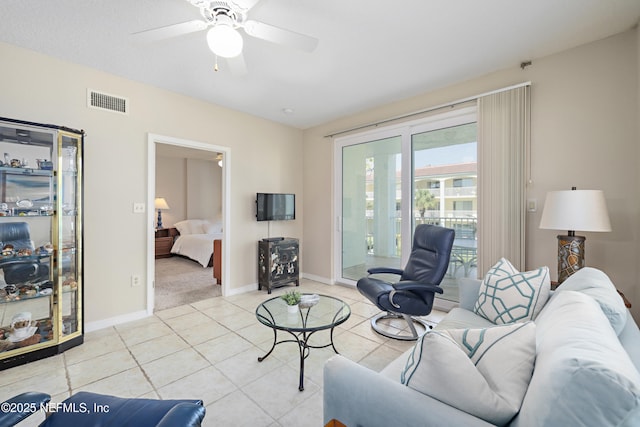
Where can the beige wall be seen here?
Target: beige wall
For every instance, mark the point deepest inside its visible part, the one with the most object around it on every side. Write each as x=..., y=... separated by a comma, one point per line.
x=170, y=184
x=584, y=133
x=43, y=89
x=204, y=189
x=192, y=188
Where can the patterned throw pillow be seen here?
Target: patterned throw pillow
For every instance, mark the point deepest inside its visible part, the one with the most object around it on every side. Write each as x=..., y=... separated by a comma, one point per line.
x=484, y=372
x=508, y=296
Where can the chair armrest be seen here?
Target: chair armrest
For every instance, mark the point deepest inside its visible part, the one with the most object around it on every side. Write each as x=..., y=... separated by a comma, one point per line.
x=358, y=396
x=410, y=285
x=385, y=270
x=183, y=414
x=22, y=406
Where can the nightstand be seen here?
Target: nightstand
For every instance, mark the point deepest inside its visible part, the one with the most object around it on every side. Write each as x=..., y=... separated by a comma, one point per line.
x=164, y=241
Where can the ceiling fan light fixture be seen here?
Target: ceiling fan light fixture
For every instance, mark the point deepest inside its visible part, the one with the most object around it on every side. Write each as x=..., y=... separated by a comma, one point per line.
x=224, y=40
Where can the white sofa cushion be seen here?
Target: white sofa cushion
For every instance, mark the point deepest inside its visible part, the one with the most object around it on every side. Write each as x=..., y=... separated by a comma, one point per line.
x=507, y=295
x=459, y=318
x=582, y=375
x=484, y=372
x=597, y=285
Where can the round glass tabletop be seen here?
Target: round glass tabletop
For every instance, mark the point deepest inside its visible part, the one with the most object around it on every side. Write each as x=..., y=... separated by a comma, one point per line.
x=328, y=313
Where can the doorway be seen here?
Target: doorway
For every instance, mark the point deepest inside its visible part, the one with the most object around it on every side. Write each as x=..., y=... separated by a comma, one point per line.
x=153, y=141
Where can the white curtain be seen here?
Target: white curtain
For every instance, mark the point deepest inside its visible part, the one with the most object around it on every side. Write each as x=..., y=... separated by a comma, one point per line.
x=503, y=173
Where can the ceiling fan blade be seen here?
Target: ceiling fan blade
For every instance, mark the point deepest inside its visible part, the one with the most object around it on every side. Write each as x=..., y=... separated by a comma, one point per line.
x=237, y=66
x=280, y=36
x=243, y=5
x=169, y=31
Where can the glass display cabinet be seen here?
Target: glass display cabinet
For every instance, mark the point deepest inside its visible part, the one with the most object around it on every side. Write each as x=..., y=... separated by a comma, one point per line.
x=41, y=277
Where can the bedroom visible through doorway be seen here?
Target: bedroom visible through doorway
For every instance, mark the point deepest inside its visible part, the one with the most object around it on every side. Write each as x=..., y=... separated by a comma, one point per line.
x=191, y=178
x=180, y=280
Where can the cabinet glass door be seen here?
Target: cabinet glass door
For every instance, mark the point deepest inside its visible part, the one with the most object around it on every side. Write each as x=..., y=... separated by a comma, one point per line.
x=69, y=232
x=26, y=209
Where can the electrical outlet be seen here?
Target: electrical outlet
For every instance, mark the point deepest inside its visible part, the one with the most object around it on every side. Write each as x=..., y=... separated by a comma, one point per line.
x=138, y=208
x=135, y=280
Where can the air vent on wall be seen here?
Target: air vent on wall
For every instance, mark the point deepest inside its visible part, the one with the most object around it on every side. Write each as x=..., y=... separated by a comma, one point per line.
x=108, y=102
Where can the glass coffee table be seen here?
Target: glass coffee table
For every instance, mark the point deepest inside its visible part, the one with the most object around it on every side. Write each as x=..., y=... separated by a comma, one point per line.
x=327, y=313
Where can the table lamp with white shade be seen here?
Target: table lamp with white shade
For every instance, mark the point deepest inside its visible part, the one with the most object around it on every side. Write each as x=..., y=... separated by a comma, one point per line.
x=161, y=204
x=571, y=210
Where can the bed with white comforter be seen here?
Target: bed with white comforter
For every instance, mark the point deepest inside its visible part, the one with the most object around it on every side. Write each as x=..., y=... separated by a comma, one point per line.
x=196, y=239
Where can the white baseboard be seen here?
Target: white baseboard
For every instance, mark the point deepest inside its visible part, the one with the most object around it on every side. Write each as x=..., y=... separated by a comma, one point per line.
x=242, y=290
x=112, y=321
x=106, y=323
x=320, y=279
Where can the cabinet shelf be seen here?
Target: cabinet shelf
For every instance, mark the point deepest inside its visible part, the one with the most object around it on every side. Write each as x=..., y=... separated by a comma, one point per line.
x=21, y=259
x=26, y=171
x=24, y=297
x=25, y=215
x=10, y=299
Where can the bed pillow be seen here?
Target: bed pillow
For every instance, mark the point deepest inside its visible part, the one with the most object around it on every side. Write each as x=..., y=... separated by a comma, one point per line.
x=596, y=284
x=189, y=226
x=209, y=227
x=484, y=372
x=507, y=295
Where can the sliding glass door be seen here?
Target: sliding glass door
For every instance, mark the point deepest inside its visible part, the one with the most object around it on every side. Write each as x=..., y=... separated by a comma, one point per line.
x=371, y=183
x=390, y=180
x=445, y=193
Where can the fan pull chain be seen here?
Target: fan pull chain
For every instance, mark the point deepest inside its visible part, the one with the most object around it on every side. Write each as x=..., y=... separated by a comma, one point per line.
x=215, y=67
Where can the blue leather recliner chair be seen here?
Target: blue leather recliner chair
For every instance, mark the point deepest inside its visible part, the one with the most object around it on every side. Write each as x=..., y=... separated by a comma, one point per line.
x=99, y=410
x=419, y=281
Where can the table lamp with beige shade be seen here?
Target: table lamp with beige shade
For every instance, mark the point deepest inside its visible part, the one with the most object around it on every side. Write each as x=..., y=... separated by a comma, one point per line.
x=583, y=210
x=161, y=204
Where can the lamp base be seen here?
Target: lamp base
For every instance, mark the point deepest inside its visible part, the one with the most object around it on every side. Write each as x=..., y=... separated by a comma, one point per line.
x=570, y=256
x=159, y=219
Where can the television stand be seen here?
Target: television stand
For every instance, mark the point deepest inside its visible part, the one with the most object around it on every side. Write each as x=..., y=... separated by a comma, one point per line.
x=278, y=263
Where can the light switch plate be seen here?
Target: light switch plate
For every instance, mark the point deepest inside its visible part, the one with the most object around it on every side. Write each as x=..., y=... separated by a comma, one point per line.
x=532, y=205
x=138, y=208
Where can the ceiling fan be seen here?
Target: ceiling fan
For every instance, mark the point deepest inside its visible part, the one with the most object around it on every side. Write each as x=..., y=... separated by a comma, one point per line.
x=222, y=19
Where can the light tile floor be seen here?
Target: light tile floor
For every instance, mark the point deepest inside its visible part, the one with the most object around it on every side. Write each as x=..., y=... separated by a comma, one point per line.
x=209, y=350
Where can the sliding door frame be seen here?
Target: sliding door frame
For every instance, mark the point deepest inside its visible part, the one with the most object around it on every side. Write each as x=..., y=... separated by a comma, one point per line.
x=434, y=121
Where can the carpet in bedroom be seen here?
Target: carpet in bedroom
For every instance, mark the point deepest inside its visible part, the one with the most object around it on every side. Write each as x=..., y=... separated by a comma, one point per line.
x=182, y=281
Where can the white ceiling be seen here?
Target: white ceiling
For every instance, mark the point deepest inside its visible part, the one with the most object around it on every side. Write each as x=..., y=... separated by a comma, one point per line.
x=370, y=52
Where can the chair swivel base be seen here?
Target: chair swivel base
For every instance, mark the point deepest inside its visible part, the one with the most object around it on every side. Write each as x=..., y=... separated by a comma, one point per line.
x=412, y=322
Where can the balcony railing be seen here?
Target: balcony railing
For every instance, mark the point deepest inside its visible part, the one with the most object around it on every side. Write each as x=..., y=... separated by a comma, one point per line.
x=448, y=192
x=455, y=191
x=460, y=191
x=465, y=227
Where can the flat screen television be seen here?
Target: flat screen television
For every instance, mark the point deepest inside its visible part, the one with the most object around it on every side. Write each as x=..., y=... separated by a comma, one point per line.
x=275, y=206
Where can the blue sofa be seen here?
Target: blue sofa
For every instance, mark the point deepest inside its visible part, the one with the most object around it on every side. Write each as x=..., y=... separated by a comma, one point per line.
x=586, y=371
